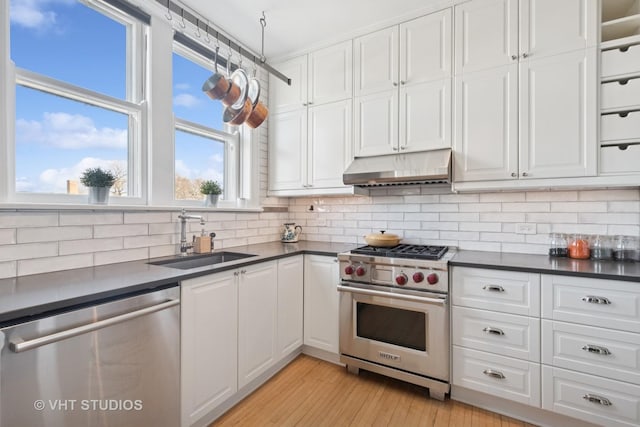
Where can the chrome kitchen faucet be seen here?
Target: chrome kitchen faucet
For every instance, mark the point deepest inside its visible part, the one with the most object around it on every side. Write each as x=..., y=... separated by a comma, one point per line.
x=184, y=246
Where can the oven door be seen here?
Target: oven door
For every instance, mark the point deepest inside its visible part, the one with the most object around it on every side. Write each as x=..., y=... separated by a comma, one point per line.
x=407, y=331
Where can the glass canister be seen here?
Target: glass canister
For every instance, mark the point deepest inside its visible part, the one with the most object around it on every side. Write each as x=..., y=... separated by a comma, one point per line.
x=579, y=247
x=601, y=247
x=558, y=245
x=626, y=249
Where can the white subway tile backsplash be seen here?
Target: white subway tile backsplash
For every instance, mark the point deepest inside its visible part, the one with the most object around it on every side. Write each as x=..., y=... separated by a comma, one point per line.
x=8, y=269
x=480, y=246
x=579, y=207
x=502, y=217
x=502, y=197
x=458, y=217
x=480, y=207
x=608, y=218
x=28, y=251
x=633, y=206
x=609, y=194
x=437, y=225
x=71, y=247
x=482, y=226
x=110, y=257
x=526, y=207
x=90, y=218
x=146, y=217
x=425, y=216
x=551, y=196
x=28, y=219
x=58, y=263
x=568, y=217
x=626, y=230
x=440, y=207
x=120, y=230
x=53, y=234
x=146, y=241
x=7, y=236
x=459, y=198
x=526, y=248
x=501, y=237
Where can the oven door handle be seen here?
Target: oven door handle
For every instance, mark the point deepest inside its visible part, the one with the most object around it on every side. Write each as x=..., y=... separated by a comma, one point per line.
x=438, y=300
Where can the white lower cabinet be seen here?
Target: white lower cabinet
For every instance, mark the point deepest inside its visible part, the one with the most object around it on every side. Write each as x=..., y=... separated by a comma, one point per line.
x=257, y=320
x=321, y=302
x=209, y=343
x=590, y=398
x=290, y=304
x=506, y=377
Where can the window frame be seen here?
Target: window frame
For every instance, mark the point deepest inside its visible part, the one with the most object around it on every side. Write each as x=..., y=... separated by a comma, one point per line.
x=135, y=107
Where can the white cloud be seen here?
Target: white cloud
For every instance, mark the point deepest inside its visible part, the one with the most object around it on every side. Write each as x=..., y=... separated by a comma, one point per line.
x=217, y=158
x=23, y=184
x=183, y=170
x=186, y=100
x=55, y=180
x=213, y=174
x=183, y=86
x=69, y=131
x=35, y=14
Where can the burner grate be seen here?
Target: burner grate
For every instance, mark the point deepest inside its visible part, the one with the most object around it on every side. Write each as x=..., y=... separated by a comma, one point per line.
x=404, y=251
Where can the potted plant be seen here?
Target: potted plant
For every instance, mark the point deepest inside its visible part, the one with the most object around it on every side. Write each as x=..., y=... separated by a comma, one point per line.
x=211, y=190
x=99, y=182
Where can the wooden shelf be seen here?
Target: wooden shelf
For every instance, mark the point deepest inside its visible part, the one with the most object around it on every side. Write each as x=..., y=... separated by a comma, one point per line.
x=627, y=26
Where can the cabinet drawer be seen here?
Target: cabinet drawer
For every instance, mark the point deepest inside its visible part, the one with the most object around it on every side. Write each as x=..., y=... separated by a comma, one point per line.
x=618, y=62
x=568, y=393
x=593, y=302
x=620, y=126
x=505, y=291
x=505, y=377
x=620, y=158
x=620, y=94
x=505, y=334
x=611, y=354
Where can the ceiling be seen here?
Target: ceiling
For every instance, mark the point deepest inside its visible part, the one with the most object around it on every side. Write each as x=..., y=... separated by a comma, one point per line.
x=294, y=26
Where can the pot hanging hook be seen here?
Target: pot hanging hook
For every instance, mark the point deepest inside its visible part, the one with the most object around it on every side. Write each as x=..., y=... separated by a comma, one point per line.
x=263, y=23
x=168, y=15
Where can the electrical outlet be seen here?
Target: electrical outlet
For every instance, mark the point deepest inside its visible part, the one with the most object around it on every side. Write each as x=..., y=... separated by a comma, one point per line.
x=524, y=228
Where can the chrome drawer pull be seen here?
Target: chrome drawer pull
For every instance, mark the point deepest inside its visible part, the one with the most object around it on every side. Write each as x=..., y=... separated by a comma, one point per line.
x=596, y=349
x=494, y=374
x=493, y=288
x=597, y=399
x=495, y=331
x=596, y=300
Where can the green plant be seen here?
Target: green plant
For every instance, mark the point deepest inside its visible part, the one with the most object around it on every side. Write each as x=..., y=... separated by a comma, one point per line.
x=97, y=177
x=210, y=187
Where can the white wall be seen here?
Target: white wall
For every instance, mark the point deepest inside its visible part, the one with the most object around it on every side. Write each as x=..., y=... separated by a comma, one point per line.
x=484, y=221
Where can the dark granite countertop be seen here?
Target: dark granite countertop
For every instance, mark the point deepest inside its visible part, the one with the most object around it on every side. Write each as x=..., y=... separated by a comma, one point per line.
x=616, y=270
x=27, y=297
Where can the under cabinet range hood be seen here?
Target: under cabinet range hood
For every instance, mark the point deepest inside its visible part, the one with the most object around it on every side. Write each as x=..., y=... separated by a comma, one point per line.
x=425, y=167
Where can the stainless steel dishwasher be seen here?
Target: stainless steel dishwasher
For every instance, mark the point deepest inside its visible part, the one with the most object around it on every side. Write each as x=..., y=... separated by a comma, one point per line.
x=112, y=363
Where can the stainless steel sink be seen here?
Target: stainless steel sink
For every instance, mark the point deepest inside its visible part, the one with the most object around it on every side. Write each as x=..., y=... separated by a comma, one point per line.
x=194, y=261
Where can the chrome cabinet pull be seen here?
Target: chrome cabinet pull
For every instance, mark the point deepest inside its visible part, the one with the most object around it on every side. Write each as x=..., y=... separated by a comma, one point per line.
x=596, y=300
x=494, y=331
x=514, y=57
x=494, y=374
x=525, y=55
x=513, y=174
x=597, y=399
x=18, y=345
x=493, y=288
x=596, y=349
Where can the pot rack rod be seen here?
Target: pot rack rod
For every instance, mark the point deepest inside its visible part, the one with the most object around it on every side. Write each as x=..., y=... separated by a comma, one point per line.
x=204, y=25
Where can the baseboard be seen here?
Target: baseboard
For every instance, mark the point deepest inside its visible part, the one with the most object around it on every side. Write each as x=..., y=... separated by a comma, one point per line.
x=327, y=356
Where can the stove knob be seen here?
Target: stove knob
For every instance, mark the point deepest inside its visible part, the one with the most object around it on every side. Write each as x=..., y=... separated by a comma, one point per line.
x=349, y=269
x=418, y=277
x=360, y=271
x=401, y=279
x=432, y=278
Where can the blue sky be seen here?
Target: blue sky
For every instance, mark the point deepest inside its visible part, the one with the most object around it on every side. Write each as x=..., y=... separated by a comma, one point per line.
x=57, y=138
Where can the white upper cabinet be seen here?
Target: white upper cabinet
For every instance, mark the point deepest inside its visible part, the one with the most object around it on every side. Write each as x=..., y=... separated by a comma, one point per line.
x=376, y=62
x=557, y=106
x=491, y=33
x=486, y=141
x=486, y=34
x=331, y=74
x=288, y=149
x=283, y=97
x=403, y=87
x=425, y=48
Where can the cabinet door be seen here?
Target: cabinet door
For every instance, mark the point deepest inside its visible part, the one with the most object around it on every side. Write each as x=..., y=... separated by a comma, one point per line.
x=486, y=132
x=558, y=116
x=321, y=302
x=290, y=304
x=425, y=48
x=548, y=27
x=283, y=97
x=486, y=34
x=376, y=61
x=209, y=343
x=257, y=324
x=425, y=116
x=331, y=74
x=330, y=143
x=376, y=124
x=288, y=149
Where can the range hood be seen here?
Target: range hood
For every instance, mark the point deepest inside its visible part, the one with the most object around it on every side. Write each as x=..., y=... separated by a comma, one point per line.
x=425, y=167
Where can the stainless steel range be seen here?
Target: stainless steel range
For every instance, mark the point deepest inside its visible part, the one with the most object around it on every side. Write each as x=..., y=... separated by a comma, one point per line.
x=394, y=313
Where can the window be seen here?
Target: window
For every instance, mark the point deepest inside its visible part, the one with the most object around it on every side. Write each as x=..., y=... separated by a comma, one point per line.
x=205, y=148
x=79, y=92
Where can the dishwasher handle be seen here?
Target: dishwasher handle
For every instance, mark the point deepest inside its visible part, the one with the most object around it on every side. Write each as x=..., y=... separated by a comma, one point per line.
x=18, y=345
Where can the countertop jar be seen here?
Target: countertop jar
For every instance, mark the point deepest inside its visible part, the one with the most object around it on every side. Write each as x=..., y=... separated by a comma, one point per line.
x=579, y=247
x=601, y=247
x=558, y=245
x=626, y=249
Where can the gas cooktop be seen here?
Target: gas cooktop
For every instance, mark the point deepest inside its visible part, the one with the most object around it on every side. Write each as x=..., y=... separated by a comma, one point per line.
x=404, y=251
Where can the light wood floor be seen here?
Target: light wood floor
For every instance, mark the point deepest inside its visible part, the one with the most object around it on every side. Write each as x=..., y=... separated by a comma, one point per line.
x=311, y=392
